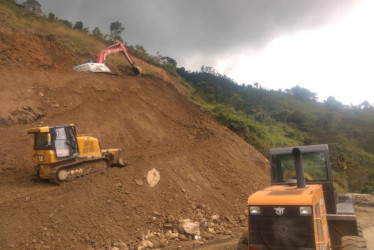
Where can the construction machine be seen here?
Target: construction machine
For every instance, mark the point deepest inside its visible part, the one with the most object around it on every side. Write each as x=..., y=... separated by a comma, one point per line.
x=301, y=210
x=99, y=66
x=60, y=155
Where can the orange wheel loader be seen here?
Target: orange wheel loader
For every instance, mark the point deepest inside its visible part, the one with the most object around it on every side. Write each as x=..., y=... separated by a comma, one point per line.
x=301, y=210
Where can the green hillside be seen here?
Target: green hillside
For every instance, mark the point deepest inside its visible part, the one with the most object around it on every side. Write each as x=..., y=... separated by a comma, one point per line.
x=269, y=118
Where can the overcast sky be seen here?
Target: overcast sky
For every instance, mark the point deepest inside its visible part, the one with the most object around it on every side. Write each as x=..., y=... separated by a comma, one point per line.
x=325, y=46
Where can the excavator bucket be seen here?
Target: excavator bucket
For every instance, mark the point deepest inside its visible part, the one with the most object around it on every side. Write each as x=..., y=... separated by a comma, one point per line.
x=137, y=70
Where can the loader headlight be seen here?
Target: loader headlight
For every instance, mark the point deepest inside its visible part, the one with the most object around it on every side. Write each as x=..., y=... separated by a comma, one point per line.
x=254, y=210
x=305, y=210
x=41, y=157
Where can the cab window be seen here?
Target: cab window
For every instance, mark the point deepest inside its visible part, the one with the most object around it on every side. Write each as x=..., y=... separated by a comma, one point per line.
x=42, y=141
x=283, y=167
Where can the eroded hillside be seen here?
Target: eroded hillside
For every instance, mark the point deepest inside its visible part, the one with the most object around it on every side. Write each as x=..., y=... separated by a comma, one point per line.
x=207, y=172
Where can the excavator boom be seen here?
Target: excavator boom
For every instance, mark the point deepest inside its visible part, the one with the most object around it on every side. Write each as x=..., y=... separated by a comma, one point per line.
x=118, y=47
x=100, y=67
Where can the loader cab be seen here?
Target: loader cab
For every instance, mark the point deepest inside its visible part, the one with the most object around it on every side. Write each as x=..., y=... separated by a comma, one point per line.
x=302, y=215
x=317, y=169
x=52, y=144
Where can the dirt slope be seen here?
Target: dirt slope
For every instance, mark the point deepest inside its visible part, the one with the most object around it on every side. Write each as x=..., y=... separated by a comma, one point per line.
x=205, y=169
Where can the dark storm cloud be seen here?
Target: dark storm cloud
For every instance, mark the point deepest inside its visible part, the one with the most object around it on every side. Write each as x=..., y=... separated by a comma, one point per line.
x=208, y=28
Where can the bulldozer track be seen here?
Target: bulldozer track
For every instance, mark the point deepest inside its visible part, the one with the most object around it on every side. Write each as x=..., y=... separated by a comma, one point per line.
x=71, y=171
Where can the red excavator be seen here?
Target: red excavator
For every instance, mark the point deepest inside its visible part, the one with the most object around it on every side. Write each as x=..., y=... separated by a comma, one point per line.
x=99, y=66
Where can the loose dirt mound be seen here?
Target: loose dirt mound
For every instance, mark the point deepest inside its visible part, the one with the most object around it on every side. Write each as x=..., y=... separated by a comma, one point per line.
x=206, y=171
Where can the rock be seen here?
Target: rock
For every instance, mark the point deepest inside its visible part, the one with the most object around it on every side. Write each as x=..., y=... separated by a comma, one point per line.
x=215, y=218
x=155, y=213
x=209, y=236
x=227, y=232
x=170, y=235
x=168, y=226
x=201, y=206
x=139, y=182
x=160, y=242
x=197, y=237
x=211, y=225
x=203, y=224
x=190, y=227
x=121, y=245
x=145, y=244
x=164, y=242
x=171, y=219
x=153, y=177
x=182, y=237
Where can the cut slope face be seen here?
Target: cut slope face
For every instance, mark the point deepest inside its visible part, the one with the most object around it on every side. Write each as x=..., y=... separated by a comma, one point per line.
x=204, y=168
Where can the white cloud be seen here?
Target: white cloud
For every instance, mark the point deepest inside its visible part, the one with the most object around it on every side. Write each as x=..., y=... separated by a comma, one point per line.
x=336, y=60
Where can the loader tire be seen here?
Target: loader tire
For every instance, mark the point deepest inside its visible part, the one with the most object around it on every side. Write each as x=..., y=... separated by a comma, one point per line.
x=353, y=243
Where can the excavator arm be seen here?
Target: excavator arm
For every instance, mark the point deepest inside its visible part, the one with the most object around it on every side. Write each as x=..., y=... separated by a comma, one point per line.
x=115, y=48
x=100, y=67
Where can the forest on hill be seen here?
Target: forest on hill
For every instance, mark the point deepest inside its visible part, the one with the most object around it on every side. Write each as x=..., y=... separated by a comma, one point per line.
x=264, y=118
x=277, y=118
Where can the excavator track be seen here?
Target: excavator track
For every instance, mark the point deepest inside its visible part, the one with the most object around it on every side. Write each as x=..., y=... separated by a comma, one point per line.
x=70, y=171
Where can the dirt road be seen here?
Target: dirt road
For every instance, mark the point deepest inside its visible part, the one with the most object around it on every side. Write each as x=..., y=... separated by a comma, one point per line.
x=365, y=215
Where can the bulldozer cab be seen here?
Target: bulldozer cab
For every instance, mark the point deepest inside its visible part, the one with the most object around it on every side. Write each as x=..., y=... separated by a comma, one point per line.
x=62, y=140
x=65, y=141
x=317, y=169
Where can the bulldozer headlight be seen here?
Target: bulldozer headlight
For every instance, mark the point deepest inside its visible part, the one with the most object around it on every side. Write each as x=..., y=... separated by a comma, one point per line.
x=41, y=158
x=306, y=210
x=254, y=210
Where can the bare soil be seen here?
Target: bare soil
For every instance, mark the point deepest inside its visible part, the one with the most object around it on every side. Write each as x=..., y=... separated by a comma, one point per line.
x=205, y=169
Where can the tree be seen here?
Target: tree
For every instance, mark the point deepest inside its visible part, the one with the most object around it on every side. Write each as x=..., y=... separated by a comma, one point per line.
x=97, y=34
x=236, y=101
x=116, y=29
x=33, y=6
x=78, y=25
x=332, y=104
x=67, y=23
x=303, y=94
x=140, y=49
x=51, y=17
x=364, y=105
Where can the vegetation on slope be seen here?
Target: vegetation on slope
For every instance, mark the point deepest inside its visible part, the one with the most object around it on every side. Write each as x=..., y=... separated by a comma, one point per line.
x=269, y=118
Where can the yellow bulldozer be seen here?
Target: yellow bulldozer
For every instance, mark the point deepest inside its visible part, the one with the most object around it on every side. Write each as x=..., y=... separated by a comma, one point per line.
x=60, y=155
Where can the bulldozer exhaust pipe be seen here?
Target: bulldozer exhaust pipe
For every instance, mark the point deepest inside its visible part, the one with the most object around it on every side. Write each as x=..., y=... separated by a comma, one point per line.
x=300, y=178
